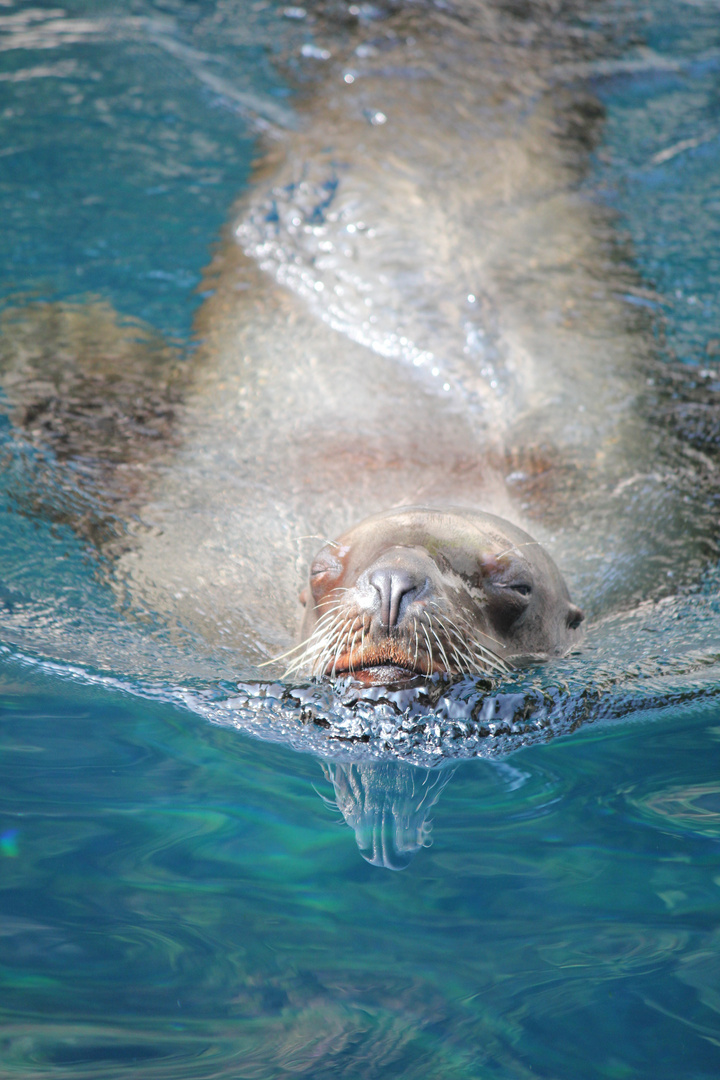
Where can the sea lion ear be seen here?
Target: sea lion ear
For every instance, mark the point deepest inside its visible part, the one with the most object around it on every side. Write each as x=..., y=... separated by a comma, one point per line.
x=303, y=597
x=574, y=617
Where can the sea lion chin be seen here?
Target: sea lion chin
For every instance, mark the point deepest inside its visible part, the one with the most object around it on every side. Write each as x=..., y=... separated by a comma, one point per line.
x=418, y=592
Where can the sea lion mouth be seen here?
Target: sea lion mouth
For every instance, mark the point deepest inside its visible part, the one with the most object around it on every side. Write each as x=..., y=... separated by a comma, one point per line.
x=384, y=663
x=382, y=675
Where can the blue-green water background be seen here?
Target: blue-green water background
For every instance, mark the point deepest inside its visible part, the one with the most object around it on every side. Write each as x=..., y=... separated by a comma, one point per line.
x=175, y=898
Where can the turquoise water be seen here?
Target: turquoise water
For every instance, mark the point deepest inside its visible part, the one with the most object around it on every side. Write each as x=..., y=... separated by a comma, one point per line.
x=178, y=899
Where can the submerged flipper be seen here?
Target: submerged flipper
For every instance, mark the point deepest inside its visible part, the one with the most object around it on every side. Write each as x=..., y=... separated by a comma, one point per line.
x=92, y=399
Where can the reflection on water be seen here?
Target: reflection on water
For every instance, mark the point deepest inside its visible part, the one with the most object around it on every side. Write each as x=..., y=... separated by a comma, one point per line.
x=386, y=804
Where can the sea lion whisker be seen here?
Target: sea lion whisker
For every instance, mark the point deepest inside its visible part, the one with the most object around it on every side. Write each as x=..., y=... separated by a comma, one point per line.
x=330, y=611
x=449, y=624
x=516, y=547
x=477, y=668
x=492, y=660
x=342, y=639
x=282, y=655
x=309, y=658
x=462, y=668
x=315, y=536
x=321, y=654
x=320, y=635
x=319, y=661
x=331, y=623
x=289, y=652
x=430, y=663
x=315, y=647
x=350, y=644
x=488, y=636
x=441, y=647
x=460, y=640
x=325, y=627
x=486, y=657
x=468, y=630
x=482, y=650
x=447, y=621
x=461, y=656
x=351, y=650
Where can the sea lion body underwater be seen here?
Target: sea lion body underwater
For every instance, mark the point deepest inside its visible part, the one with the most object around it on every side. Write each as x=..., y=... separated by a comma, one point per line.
x=415, y=307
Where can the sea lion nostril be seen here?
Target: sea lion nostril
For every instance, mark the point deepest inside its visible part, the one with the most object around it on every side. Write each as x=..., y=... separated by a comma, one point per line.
x=393, y=585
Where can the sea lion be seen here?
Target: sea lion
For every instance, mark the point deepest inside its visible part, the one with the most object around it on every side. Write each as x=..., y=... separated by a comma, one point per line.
x=415, y=304
x=422, y=591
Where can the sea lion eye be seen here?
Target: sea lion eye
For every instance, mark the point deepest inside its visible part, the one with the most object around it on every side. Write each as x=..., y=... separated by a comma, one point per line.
x=522, y=588
x=325, y=570
x=507, y=601
x=325, y=566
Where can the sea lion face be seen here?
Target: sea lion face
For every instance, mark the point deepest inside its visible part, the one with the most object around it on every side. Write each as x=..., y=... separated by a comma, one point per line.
x=420, y=591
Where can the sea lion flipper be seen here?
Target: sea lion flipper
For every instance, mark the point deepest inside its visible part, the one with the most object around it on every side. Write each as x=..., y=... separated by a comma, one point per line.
x=92, y=398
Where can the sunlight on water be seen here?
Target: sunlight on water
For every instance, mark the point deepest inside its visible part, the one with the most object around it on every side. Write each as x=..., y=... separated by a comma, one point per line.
x=194, y=873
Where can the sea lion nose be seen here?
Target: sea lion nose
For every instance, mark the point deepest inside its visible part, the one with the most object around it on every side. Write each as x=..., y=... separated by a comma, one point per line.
x=395, y=586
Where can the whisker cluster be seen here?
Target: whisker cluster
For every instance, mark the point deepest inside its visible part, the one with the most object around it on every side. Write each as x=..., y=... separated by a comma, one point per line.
x=469, y=655
x=433, y=642
x=323, y=649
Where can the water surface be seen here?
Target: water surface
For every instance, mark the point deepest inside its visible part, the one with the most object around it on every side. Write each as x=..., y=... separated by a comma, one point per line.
x=176, y=899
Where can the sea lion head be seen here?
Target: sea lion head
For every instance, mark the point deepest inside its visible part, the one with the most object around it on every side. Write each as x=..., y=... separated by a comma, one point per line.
x=418, y=591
